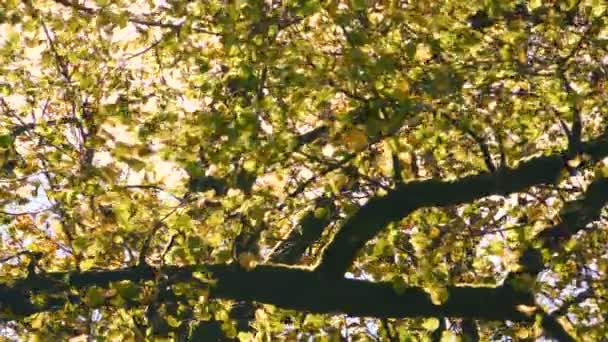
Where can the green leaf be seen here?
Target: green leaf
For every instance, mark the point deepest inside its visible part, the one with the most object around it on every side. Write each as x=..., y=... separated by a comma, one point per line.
x=128, y=291
x=6, y=140
x=95, y=296
x=136, y=164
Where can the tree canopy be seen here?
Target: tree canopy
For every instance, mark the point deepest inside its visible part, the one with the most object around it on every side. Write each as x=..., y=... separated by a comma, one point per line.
x=303, y=170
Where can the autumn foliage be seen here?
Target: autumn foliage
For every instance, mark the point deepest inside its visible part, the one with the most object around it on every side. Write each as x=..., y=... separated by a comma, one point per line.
x=303, y=170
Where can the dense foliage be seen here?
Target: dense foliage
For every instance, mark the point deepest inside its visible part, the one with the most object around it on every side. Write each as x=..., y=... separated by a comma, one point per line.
x=297, y=169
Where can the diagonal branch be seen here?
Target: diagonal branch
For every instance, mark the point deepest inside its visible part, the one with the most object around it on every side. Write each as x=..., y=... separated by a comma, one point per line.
x=400, y=202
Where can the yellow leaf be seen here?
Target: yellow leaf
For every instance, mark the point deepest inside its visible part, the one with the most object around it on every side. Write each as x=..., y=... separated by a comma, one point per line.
x=25, y=191
x=79, y=338
x=430, y=324
x=423, y=53
x=522, y=55
x=404, y=87
x=87, y=264
x=439, y=295
x=522, y=333
x=247, y=260
x=575, y=162
x=38, y=321
x=355, y=139
x=243, y=336
x=526, y=309
x=434, y=233
x=174, y=322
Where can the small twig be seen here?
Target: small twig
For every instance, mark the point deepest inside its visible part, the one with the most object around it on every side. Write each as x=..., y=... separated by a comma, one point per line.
x=339, y=164
x=152, y=46
x=136, y=20
x=579, y=298
x=391, y=336
x=168, y=247
x=483, y=146
x=33, y=212
x=157, y=226
x=59, y=60
x=501, y=149
x=18, y=254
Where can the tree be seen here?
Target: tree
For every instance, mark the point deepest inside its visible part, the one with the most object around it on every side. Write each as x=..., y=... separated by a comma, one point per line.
x=224, y=170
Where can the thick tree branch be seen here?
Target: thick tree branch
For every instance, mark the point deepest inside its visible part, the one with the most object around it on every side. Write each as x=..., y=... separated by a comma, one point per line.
x=286, y=287
x=406, y=198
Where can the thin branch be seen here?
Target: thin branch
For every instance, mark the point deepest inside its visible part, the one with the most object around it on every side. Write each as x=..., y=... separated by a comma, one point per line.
x=74, y=4
x=32, y=212
x=16, y=255
x=157, y=226
x=579, y=298
x=483, y=146
x=135, y=20
x=339, y=164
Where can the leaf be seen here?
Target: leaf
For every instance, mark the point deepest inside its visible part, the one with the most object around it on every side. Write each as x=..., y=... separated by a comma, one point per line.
x=439, y=295
x=534, y=4
x=128, y=291
x=398, y=284
x=95, y=296
x=321, y=212
x=431, y=324
x=248, y=260
x=38, y=321
x=355, y=139
x=6, y=140
x=134, y=163
x=423, y=53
